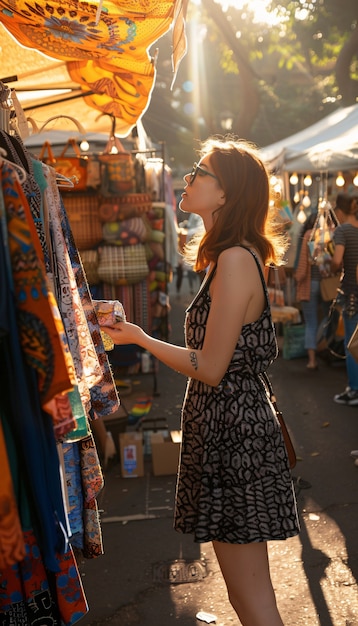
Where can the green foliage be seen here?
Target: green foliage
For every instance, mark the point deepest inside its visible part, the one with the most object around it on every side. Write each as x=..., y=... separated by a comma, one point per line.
x=290, y=63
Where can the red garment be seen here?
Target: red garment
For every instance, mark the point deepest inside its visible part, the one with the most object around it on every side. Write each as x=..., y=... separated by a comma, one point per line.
x=303, y=272
x=30, y=595
x=12, y=547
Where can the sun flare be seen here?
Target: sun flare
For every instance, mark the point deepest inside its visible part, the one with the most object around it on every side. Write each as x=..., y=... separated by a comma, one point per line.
x=257, y=8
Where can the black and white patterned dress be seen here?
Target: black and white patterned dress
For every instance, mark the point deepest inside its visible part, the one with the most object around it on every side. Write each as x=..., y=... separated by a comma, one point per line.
x=234, y=483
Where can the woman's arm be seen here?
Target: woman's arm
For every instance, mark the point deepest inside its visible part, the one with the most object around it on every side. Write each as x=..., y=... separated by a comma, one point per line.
x=337, y=259
x=237, y=297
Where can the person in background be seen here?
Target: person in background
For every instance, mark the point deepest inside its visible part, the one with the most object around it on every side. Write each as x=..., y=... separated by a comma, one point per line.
x=193, y=226
x=234, y=484
x=345, y=256
x=308, y=277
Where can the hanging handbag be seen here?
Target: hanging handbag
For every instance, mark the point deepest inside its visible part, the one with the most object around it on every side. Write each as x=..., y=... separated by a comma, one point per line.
x=328, y=286
x=73, y=167
x=330, y=335
x=126, y=232
x=320, y=243
x=292, y=458
x=93, y=172
x=118, y=168
x=122, y=265
x=46, y=154
x=89, y=260
x=353, y=344
x=117, y=208
x=82, y=211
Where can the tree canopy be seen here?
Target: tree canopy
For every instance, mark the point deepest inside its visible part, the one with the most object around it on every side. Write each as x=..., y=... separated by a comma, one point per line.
x=260, y=78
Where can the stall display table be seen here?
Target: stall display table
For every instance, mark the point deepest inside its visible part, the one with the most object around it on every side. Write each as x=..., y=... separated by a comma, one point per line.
x=285, y=315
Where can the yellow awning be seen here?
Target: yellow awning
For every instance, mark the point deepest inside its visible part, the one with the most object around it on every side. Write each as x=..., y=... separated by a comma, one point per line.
x=104, y=47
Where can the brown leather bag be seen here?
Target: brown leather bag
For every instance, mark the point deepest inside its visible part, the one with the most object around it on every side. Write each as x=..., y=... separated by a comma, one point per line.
x=292, y=458
x=73, y=167
x=118, y=168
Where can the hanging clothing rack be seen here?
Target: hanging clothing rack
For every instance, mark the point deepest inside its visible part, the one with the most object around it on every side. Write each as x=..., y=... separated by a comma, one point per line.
x=45, y=440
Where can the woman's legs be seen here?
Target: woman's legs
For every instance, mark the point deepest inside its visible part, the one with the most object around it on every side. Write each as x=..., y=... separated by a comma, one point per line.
x=350, y=324
x=310, y=314
x=246, y=572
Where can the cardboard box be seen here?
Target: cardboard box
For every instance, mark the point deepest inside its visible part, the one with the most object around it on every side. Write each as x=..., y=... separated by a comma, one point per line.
x=116, y=423
x=150, y=426
x=131, y=453
x=165, y=452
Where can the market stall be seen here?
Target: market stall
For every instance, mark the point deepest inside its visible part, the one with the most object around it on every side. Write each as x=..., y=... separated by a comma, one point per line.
x=100, y=210
x=314, y=164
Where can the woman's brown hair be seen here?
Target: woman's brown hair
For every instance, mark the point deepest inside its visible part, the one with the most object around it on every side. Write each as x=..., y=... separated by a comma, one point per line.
x=246, y=215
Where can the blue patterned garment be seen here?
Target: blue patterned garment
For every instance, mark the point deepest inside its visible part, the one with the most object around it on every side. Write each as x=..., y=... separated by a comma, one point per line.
x=104, y=395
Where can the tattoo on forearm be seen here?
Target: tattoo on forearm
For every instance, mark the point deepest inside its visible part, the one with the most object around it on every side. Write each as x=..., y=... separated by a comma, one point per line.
x=194, y=360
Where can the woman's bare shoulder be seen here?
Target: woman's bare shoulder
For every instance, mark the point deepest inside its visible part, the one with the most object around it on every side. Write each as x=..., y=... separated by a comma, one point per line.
x=240, y=256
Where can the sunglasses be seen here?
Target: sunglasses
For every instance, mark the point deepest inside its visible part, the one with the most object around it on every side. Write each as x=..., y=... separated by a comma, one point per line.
x=199, y=171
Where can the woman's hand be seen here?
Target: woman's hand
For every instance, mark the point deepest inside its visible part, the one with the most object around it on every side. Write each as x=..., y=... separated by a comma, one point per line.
x=124, y=333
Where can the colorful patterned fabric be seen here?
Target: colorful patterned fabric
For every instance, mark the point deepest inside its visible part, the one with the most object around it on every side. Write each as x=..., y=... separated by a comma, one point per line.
x=58, y=406
x=33, y=459
x=87, y=367
x=12, y=547
x=39, y=322
x=135, y=300
x=17, y=153
x=106, y=50
x=92, y=482
x=73, y=479
x=109, y=312
x=30, y=595
x=84, y=482
x=104, y=395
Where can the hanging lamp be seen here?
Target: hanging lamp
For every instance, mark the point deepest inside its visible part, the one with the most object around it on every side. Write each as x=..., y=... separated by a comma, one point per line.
x=340, y=182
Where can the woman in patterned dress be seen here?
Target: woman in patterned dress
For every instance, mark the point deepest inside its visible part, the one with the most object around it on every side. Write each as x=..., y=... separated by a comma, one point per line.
x=234, y=485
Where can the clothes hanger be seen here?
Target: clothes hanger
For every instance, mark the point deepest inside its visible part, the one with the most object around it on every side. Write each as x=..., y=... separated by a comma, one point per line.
x=18, y=169
x=61, y=180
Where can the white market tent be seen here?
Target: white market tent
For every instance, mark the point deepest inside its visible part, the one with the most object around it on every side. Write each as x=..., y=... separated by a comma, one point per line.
x=329, y=145
x=325, y=148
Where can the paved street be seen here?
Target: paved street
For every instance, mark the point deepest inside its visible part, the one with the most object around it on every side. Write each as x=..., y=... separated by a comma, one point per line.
x=150, y=575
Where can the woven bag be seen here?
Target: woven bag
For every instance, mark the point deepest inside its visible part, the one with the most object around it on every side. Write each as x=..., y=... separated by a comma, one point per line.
x=117, y=208
x=72, y=167
x=118, y=168
x=89, y=260
x=93, y=172
x=46, y=154
x=82, y=211
x=122, y=265
x=127, y=232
